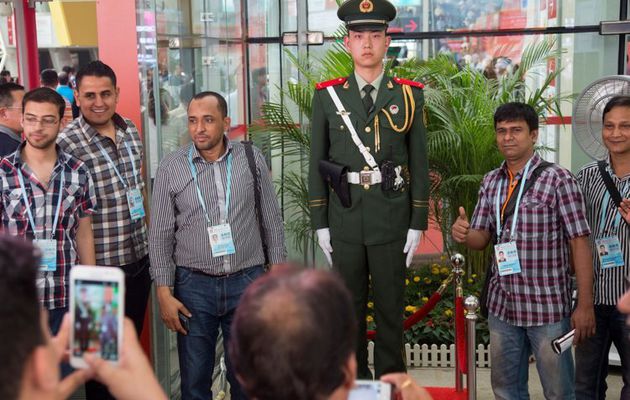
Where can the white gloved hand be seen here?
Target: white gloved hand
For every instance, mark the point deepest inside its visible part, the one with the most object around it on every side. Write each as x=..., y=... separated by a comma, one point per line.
x=323, y=239
x=413, y=238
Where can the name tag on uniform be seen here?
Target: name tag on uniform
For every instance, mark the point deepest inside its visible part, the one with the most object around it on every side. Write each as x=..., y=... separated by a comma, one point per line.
x=609, y=252
x=48, y=247
x=507, y=258
x=221, y=242
x=136, y=205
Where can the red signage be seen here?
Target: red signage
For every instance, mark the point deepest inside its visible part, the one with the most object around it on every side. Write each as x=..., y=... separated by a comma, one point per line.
x=551, y=10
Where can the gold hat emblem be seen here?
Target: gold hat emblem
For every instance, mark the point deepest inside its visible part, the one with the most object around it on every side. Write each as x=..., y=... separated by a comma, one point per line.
x=366, y=6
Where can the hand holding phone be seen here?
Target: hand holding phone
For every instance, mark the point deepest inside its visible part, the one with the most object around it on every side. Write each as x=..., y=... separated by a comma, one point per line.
x=132, y=378
x=171, y=309
x=97, y=304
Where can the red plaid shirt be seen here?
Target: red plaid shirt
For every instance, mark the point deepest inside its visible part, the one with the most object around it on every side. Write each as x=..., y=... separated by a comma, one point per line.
x=78, y=201
x=551, y=212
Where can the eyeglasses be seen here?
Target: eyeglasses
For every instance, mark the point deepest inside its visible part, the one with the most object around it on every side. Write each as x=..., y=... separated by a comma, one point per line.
x=46, y=122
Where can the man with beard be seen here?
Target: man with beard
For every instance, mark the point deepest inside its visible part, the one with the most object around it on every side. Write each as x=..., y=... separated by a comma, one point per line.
x=205, y=191
x=48, y=197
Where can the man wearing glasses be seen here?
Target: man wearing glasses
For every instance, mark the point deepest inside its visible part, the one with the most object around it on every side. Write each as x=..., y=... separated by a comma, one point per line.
x=11, y=95
x=47, y=196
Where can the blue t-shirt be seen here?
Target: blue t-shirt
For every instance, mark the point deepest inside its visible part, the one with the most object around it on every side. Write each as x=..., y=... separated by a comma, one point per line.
x=66, y=92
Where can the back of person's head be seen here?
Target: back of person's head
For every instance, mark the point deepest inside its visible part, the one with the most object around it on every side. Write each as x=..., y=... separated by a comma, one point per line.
x=515, y=111
x=617, y=101
x=186, y=93
x=67, y=69
x=6, y=93
x=98, y=69
x=45, y=95
x=293, y=336
x=64, y=78
x=20, y=319
x=49, y=78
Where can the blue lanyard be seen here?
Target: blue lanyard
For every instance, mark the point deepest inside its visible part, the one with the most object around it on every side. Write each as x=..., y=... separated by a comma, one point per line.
x=518, y=202
x=602, y=221
x=193, y=171
x=111, y=164
x=28, y=206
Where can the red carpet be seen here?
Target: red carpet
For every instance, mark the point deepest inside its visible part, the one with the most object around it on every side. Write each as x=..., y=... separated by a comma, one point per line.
x=440, y=393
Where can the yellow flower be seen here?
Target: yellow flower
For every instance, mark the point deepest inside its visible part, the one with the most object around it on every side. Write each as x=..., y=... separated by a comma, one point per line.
x=435, y=270
x=474, y=276
x=443, y=257
x=410, y=309
x=370, y=304
x=448, y=313
x=427, y=280
x=406, y=282
x=470, y=280
x=369, y=318
x=445, y=271
x=425, y=299
x=416, y=279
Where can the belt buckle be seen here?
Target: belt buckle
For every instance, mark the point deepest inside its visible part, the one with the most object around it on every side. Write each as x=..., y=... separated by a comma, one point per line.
x=365, y=177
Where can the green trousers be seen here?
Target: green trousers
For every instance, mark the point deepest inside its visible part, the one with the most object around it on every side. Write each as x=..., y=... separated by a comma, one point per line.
x=382, y=267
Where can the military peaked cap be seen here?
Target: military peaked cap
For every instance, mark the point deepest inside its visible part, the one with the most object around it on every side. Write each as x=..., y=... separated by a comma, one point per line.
x=364, y=15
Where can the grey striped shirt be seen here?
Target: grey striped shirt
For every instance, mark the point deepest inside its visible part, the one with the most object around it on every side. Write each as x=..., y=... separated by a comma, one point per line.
x=609, y=284
x=178, y=231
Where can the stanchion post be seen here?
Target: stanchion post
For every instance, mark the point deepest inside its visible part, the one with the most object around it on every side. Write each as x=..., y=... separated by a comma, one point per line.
x=457, y=260
x=471, y=304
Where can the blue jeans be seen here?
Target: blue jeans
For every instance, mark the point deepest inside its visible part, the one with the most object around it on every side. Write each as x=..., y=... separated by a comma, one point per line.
x=508, y=355
x=212, y=301
x=591, y=356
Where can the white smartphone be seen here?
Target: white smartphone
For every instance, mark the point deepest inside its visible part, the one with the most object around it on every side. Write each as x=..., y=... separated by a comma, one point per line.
x=370, y=390
x=97, y=309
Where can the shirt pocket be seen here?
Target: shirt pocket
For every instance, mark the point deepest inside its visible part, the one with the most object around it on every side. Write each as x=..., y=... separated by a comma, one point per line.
x=71, y=198
x=395, y=122
x=15, y=210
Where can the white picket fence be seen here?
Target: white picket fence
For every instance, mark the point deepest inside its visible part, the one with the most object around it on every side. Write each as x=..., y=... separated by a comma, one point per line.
x=435, y=356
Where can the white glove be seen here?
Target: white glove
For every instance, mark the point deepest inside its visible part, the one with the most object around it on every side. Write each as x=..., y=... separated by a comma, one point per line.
x=413, y=238
x=323, y=239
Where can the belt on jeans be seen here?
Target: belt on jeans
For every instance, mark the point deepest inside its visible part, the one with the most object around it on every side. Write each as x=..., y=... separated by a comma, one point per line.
x=235, y=273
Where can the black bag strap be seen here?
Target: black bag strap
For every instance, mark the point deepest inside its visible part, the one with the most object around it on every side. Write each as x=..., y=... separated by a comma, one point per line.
x=610, y=185
x=249, y=153
x=509, y=208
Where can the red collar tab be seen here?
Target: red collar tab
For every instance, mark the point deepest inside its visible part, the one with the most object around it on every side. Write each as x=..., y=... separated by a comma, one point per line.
x=402, y=81
x=332, y=82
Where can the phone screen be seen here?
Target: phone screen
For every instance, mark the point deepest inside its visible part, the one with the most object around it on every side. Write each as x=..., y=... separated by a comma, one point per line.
x=96, y=322
x=368, y=391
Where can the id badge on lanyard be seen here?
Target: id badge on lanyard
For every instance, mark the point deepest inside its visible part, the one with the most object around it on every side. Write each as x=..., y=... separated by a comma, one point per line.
x=608, y=247
x=220, y=236
x=506, y=254
x=48, y=247
x=136, y=204
x=135, y=201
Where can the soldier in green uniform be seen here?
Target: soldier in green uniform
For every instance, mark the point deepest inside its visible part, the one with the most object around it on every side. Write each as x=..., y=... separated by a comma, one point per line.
x=368, y=179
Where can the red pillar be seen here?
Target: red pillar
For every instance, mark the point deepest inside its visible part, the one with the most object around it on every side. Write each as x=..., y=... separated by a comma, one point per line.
x=117, y=47
x=27, y=54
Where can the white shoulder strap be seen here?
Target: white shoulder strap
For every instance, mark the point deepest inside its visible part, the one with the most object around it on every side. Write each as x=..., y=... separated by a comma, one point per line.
x=369, y=159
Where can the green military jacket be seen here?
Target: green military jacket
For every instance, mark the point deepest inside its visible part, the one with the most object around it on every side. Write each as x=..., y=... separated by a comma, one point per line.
x=389, y=133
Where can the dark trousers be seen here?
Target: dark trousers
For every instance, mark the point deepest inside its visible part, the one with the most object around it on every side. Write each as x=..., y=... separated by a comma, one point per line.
x=591, y=356
x=137, y=289
x=212, y=301
x=385, y=264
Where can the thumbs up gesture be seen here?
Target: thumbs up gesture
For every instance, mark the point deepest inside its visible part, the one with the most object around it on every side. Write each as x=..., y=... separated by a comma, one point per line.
x=461, y=227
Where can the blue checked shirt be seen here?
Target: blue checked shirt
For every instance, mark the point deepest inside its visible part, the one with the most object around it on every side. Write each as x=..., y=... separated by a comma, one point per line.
x=118, y=240
x=78, y=201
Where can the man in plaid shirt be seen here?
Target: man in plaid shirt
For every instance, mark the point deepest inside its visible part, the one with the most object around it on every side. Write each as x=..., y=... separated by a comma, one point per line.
x=529, y=293
x=111, y=147
x=48, y=197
